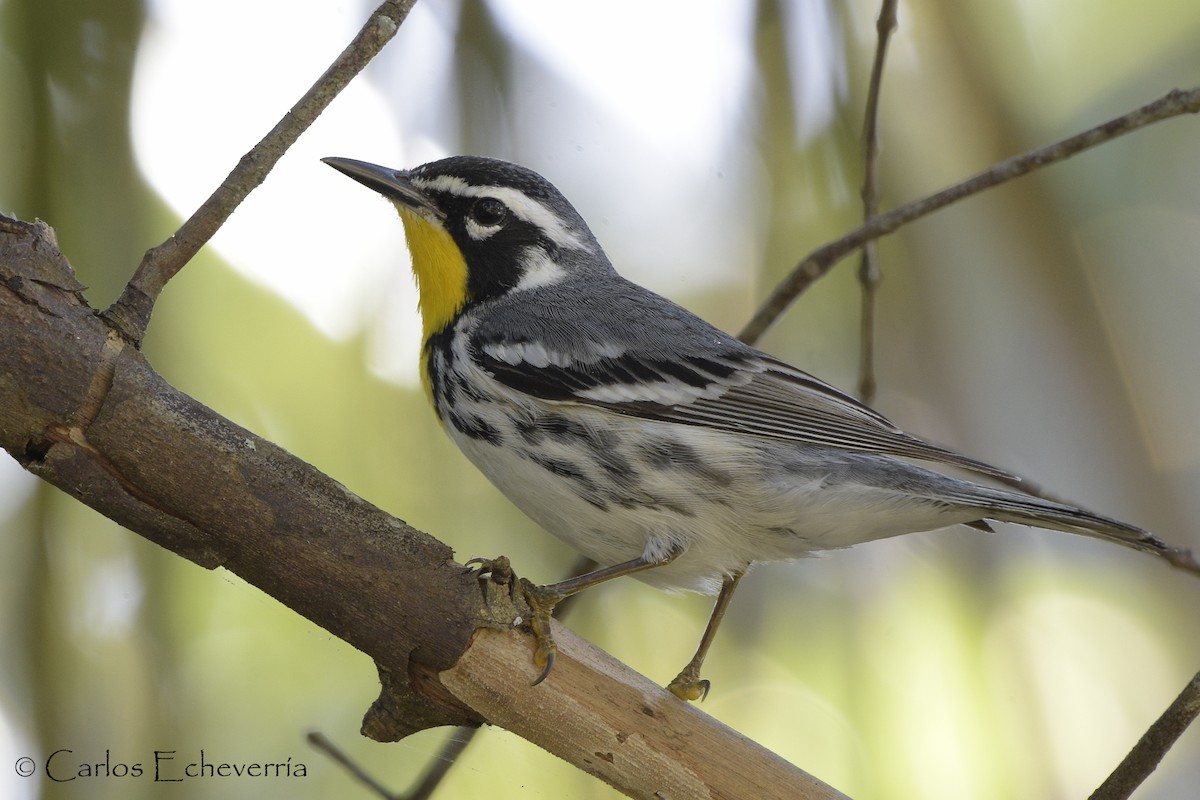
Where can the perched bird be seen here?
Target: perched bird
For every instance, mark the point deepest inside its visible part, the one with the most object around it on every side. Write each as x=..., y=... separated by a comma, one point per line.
x=650, y=441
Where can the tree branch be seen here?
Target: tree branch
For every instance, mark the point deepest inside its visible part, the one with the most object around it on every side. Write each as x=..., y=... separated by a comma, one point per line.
x=821, y=260
x=1143, y=759
x=868, y=269
x=83, y=410
x=676, y=752
x=130, y=314
x=322, y=743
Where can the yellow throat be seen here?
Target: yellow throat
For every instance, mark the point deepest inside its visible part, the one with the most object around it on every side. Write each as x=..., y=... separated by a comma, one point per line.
x=441, y=275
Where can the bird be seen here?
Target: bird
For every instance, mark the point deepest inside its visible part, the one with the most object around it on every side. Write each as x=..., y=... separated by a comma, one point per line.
x=649, y=440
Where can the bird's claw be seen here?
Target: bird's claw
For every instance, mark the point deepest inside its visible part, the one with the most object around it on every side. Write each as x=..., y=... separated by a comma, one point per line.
x=688, y=685
x=496, y=570
x=541, y=601
x=548, y=658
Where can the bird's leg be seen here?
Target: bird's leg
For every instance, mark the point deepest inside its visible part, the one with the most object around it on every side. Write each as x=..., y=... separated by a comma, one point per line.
x=687, y=684
x=543, y=599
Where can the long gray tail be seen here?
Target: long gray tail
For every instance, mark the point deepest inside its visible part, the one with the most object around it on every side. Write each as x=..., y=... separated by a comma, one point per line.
x=1005, y=506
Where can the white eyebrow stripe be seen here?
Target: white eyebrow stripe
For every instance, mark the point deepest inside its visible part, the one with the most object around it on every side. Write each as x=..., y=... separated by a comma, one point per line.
x=520, y=204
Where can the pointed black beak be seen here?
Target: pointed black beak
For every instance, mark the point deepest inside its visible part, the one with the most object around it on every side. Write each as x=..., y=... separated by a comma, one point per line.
x=391, y=183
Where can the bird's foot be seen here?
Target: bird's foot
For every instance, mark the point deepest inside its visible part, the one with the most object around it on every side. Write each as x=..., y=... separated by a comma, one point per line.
x=688, y=685
x=497, y=571
x=541, y=601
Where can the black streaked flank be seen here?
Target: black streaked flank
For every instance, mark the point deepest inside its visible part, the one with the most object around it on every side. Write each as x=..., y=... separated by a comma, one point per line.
x=589, y=492
x=654, y=503
x=663, y=453
x=461, y=388
x=476, y=428
x=438, y=355
x=615, y=464
x=601, y=446
x=564, y=469
x=560, y=428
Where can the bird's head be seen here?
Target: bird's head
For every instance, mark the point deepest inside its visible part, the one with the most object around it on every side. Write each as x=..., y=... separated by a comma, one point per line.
x=479, y=228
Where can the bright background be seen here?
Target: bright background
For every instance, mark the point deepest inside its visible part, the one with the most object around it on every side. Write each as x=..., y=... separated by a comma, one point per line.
x=1049, y=327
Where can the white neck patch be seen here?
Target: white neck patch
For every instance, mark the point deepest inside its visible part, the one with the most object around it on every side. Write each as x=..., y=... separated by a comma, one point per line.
x=538, y=269
x=520, y=204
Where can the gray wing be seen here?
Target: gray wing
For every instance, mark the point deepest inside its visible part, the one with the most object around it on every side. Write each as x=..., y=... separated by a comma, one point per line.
x=783, y=402
x=641, y=355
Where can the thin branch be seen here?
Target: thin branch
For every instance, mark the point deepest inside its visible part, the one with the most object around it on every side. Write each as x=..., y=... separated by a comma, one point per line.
x=821, y=260
x=1154, y=744
x=438, y=767
x=868, y=270
x=1184, y=559
x=130, y=314
x=321, y=742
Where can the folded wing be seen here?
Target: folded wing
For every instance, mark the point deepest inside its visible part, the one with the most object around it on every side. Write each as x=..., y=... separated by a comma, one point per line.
x=730, y=388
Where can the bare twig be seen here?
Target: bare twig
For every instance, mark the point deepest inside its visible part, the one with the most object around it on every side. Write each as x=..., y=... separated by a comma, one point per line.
x=1154, y=744
x=438, y=767
x=322, y=743
x=868, y=270
x=459, y=740
x=821, y=260
x=130, y=314
x=1184, y=559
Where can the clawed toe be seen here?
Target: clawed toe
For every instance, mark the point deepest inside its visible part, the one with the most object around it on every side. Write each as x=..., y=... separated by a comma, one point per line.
x=551, y=650
x=541, y=601
x=689, y=687
x=496, y=570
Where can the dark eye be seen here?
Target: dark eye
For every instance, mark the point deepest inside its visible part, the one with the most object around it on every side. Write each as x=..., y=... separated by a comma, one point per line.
x=489, y=211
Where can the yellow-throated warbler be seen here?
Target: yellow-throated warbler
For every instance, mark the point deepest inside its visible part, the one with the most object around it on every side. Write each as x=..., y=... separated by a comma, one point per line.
x=643, y=436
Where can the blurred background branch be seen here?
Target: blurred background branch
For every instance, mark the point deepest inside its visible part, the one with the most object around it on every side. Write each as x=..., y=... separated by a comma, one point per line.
x=868, y=268
x=131, y=312
x=815, y=265
x=1146, y=755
